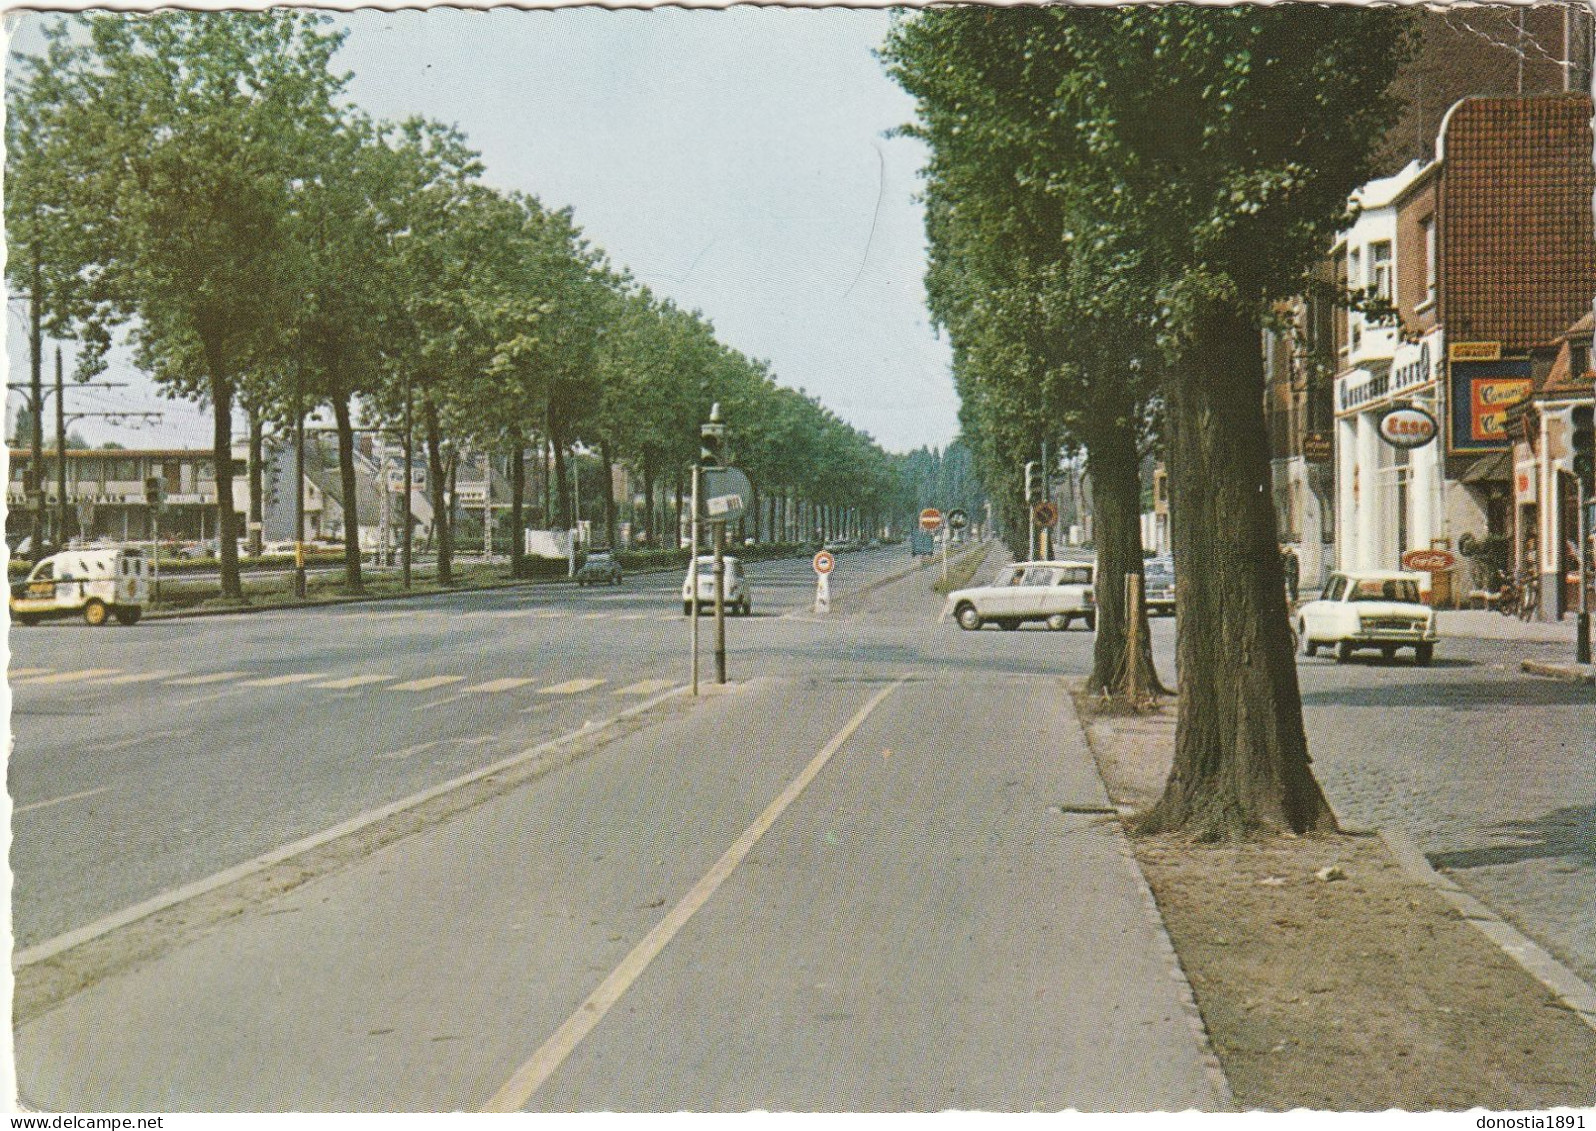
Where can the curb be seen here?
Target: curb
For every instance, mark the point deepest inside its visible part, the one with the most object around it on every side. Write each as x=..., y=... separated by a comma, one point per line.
x=1577, y=996
x=1569, y=673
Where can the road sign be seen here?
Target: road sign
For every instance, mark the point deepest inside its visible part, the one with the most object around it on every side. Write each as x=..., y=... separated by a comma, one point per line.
x=931, y=519
x=1046, y=514
x=1428, y=561
x=824, y=562
x=958, y=520
x=727, y=493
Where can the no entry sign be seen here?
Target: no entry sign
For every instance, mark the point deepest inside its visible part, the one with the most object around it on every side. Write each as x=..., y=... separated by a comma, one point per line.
x=931, y=519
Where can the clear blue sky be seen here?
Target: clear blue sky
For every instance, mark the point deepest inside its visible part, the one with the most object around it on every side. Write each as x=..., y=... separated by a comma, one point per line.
x=732, y=160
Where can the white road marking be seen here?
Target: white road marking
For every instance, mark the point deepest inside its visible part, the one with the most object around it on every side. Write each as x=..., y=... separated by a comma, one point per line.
x=68, y=677
x=645, y=687
x=59, y=800
x=408, y=751
x=350, y=681
x=283, y=680
x=19, y=673
x=633, y=616
x=64, y=942
x=594, y=616
x=137, y=677
x=571, y=686
x=212, y=698
x=196, y=680
x=427, y=683
x=139, y=739
x=531, y=1076
x=497, y=685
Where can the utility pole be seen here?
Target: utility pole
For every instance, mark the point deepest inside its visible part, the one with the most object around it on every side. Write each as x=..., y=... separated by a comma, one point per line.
x=60, y=455
x=409, y=450
x=35, y=480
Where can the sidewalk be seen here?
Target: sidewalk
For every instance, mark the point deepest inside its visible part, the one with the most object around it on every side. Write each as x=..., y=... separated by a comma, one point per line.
x=802, y=894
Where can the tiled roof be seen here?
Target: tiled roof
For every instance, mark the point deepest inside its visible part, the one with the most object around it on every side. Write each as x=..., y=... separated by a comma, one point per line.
x=1518, y=251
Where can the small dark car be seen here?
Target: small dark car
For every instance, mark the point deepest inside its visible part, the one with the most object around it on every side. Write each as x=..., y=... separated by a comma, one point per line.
x=600, y=568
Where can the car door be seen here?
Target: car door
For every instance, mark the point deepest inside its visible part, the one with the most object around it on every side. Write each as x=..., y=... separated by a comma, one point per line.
x=1318, y=616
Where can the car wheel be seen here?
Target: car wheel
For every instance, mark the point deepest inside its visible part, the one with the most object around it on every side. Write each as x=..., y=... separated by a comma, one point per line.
x=1423, y=654
x=128, y=614
x=28, y=619
x=968, y=618
x=1008, y=625
x=1058, y=622
x=1343, y=652
x=1309, y=647
x=95, y=613
x=1387, y=653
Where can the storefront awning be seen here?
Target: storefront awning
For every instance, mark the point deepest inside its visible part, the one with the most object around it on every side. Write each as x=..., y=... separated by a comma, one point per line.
x=1498, y=466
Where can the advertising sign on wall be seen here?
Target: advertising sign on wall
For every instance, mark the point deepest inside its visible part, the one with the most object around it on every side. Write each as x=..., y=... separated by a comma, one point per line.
x=1482, y=392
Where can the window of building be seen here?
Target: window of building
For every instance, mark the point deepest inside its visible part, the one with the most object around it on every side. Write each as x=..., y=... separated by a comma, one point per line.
x=87, y=471
x=122, y=470
x=1428, y=226
x=19, y=470
x=1579, y=358
x=1380, y=276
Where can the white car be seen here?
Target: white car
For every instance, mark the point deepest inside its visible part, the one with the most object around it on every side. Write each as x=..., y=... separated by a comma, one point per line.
x=1372, y=609
x=1059, y=593
x=736, y=596
x=96, y=584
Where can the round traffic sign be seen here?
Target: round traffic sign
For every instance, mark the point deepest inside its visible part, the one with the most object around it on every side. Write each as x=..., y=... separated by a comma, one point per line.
x=930, y=519
x=1046, y=514
x=958, y=520
x=824, y=562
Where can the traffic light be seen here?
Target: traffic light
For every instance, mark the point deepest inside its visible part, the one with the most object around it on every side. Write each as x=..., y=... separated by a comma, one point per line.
x=152, y=491
x=1033, y=482
x=1584, y=457
x=711, y=439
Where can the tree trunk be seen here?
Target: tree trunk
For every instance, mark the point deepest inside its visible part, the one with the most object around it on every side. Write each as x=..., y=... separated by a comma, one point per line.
x=517, y=508
x=1241, y=756
x=609, y=494
x=648, y=505
x=222, y=454
x=1116, y=470
x=257, y=492
x=676, y=519
x=442, y=536
x=346, y=475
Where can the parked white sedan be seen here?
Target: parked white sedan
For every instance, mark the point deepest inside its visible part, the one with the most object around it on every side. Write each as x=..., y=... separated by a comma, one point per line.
x=1056, y=592
x=1369, y=609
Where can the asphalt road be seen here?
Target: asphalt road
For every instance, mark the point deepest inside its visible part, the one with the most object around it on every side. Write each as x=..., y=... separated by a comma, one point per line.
x=148, y=757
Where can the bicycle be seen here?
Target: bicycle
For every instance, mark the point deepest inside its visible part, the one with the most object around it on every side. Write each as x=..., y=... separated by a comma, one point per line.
x=1529, y=600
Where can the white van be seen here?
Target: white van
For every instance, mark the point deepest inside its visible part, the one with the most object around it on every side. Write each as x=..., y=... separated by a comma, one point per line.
x=96, y=583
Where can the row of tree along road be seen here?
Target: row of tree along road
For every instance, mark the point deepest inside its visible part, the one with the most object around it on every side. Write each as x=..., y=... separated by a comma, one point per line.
x=1117, y=199
x=197, y=184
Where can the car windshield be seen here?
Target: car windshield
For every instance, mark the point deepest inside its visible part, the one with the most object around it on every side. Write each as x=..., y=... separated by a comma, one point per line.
x=1008, y=576
x=1161, y=571
x=1075, y=575
x=1390, y=589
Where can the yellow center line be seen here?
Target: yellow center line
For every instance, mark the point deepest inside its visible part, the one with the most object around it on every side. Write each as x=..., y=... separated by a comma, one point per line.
x=532, y=1075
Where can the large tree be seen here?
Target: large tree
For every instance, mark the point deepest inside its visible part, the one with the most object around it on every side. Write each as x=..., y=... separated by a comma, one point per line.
x=188, y=132
x=1217, y=148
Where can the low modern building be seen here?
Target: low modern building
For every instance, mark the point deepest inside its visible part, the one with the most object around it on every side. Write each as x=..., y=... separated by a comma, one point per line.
x=107, y=494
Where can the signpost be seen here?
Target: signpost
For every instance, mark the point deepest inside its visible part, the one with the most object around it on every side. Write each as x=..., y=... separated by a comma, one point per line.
x=931, y=520
x=824, y=564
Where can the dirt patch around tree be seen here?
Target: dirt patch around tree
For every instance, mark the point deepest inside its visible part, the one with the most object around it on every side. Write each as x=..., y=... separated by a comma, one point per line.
x=1331, y=979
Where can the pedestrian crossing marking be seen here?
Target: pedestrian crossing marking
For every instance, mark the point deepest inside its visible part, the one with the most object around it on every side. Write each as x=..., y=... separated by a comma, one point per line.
x=645, y=687
x=351, y=681
x=594, y=616
x=633, y=616
x=213, y=677
x=70, y=677
x=19, y=673
x=284, y=680
x=427, y=683
x=571, y=686
x=498, y=685
x=137, y=677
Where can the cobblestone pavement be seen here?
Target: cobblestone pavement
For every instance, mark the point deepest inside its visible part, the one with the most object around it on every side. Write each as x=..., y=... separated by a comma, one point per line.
x=1490, y=770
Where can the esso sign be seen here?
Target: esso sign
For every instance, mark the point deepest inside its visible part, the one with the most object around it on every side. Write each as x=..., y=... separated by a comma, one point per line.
x=1428, y=561
x=1408, y=427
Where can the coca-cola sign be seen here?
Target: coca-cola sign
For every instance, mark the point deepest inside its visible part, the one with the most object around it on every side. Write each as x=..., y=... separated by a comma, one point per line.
x=1428, y=561
x=1408, y=427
